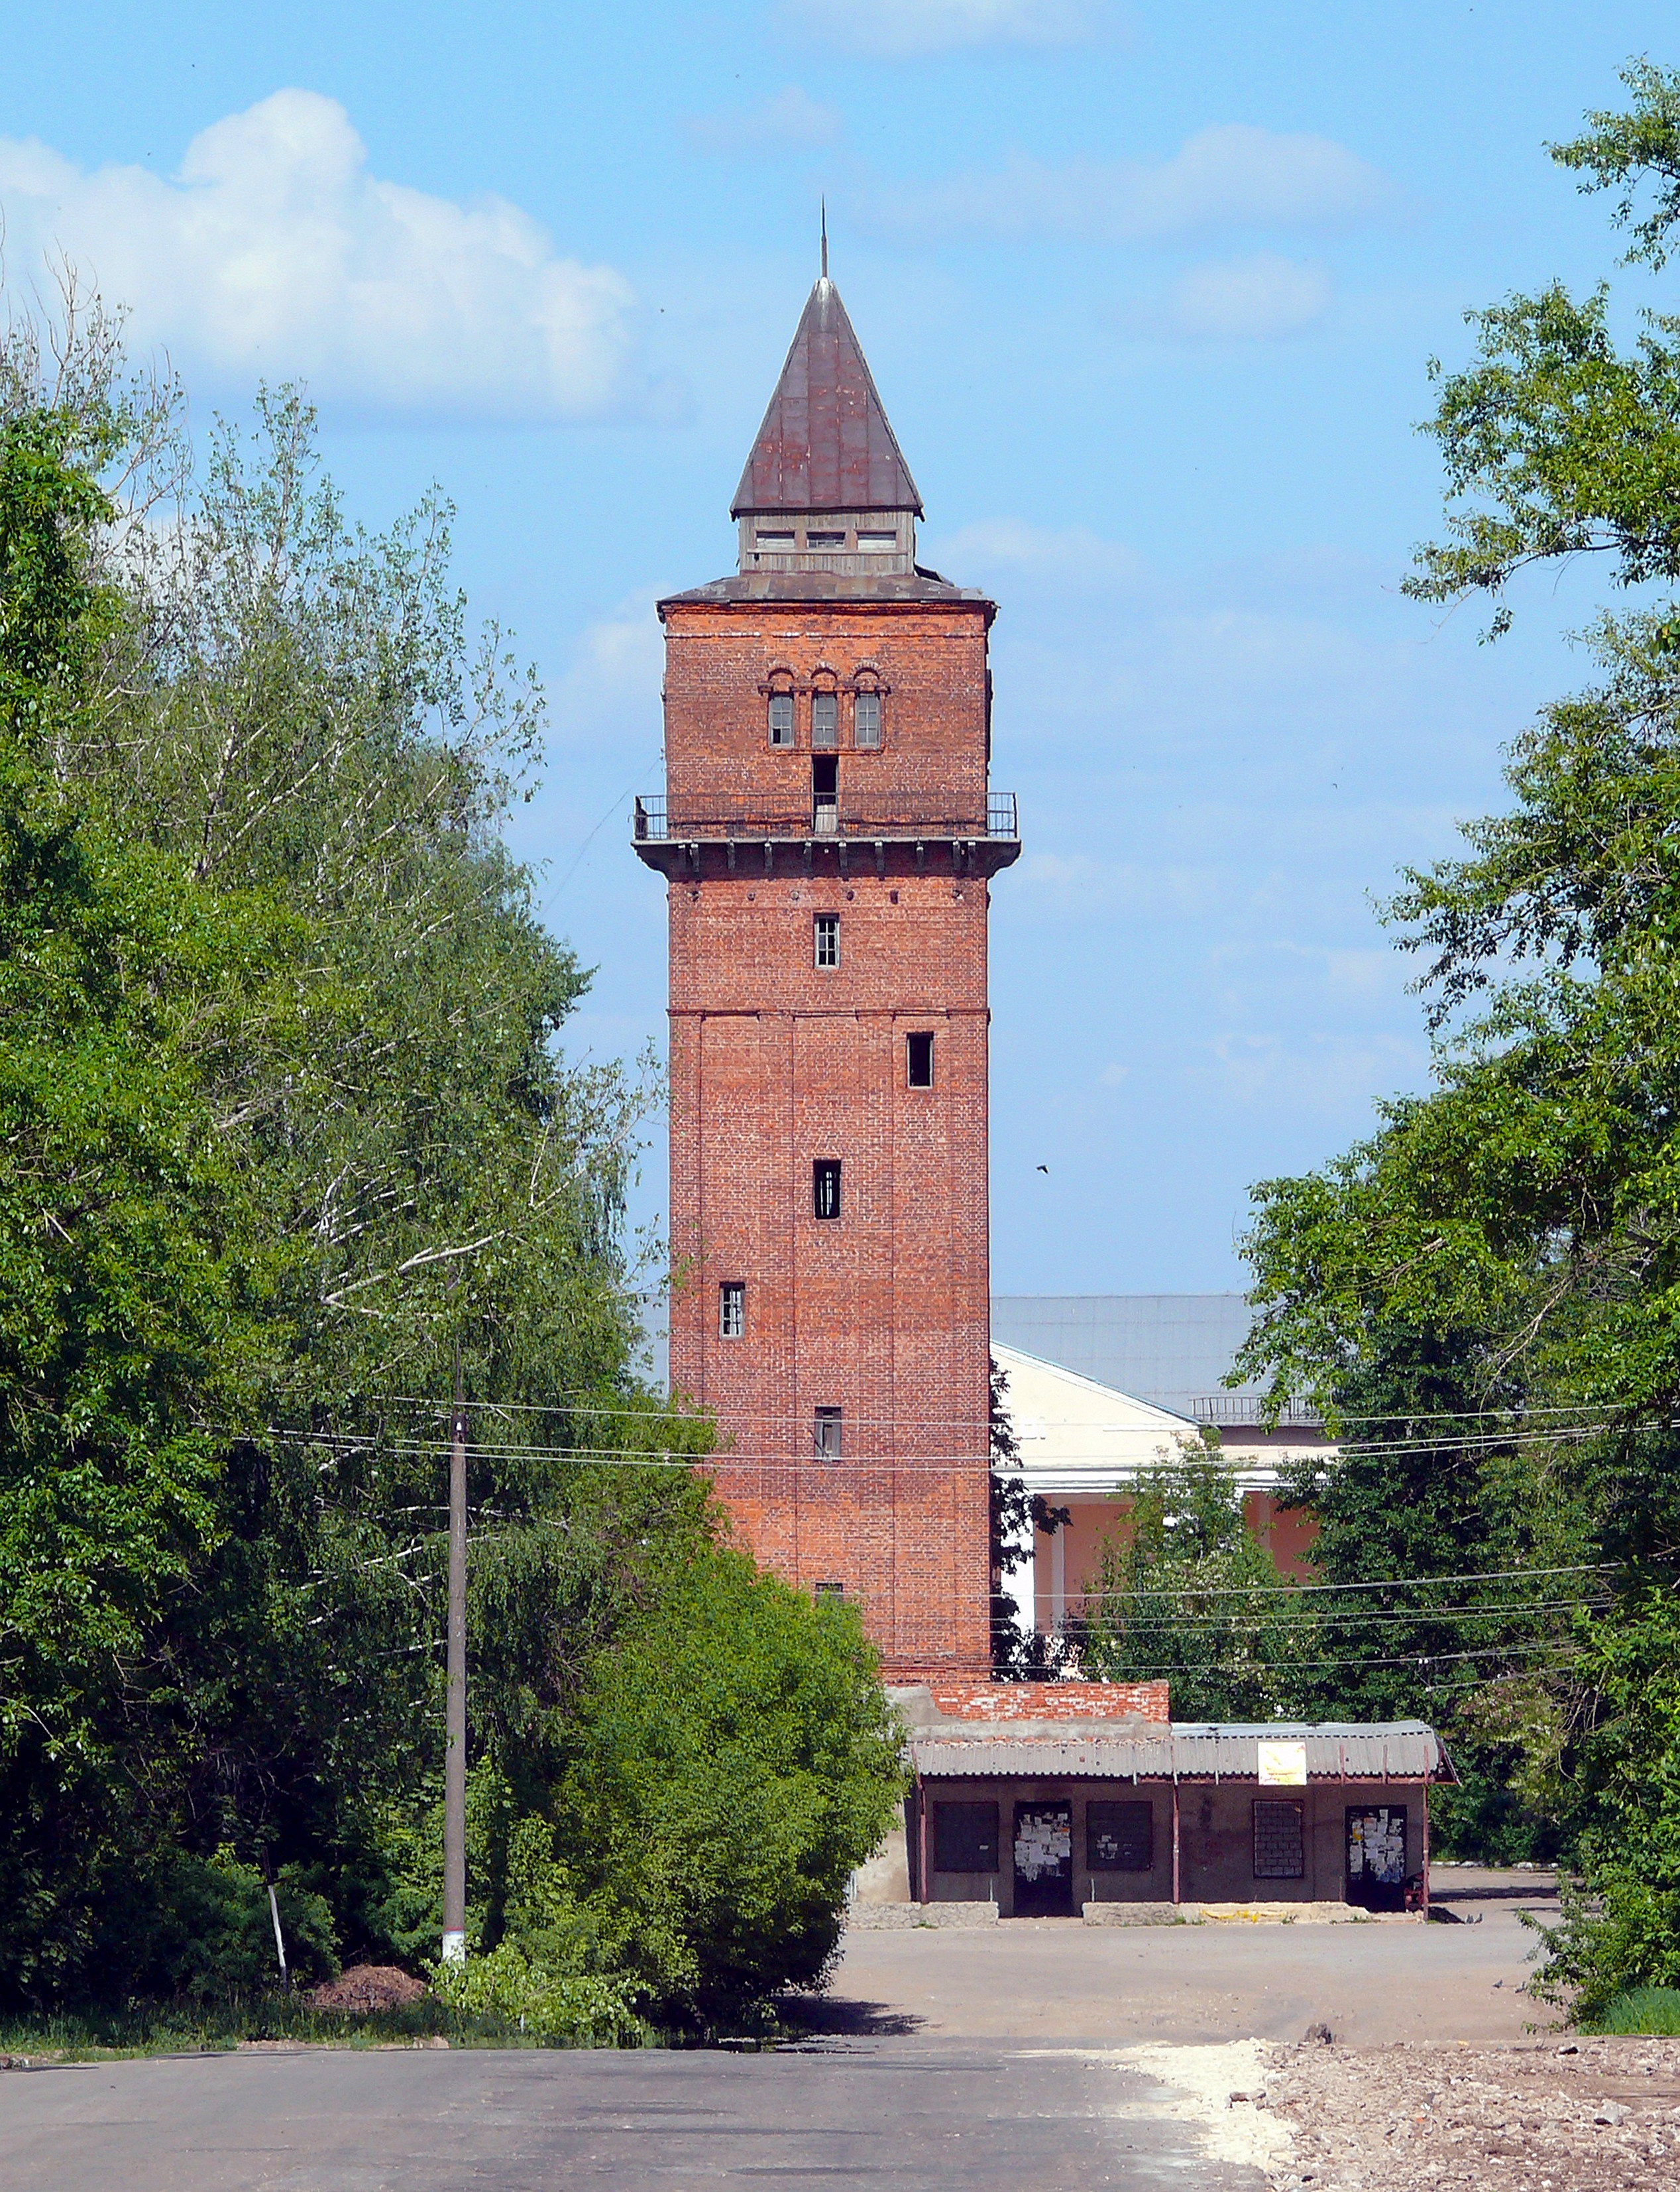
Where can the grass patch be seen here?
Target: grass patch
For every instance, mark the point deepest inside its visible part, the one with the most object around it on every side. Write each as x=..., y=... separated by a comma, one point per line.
x=1643, y=2009
x=174, y=2028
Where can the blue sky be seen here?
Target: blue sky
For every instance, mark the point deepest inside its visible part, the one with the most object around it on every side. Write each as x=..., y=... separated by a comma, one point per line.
x=1148, y=291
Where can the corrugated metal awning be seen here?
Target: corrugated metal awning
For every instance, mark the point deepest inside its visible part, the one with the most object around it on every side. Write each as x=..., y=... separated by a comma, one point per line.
x=1396, y=1750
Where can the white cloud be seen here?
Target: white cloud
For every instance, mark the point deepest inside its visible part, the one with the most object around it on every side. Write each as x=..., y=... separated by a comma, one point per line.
x=791, y=118
x=1012, y=544
x=612, y=680
x=903, y=29
x=1246, y=299
x=1229, y=175
x=275, y=251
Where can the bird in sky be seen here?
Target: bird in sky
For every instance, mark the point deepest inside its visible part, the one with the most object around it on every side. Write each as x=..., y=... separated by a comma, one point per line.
x=1044, y=1168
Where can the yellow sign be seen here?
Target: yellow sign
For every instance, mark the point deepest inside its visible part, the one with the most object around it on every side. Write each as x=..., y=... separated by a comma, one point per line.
x=1283, y=1765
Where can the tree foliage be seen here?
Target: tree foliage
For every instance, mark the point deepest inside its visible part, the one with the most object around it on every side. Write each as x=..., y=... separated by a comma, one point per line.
x=1556, y=442
x=1485, y=1293
x=286, y=1130
x=1185, y=1593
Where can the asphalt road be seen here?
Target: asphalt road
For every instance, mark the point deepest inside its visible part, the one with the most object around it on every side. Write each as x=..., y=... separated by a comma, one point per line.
x=894, y=2113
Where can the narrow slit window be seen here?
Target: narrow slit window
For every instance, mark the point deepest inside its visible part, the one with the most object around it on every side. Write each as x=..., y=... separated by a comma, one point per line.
x=825, y=719
x=873, y=543
x=781, y=719
x=826, y=931
x=826, y=1433
x=732, y=1310
x=825, y=540
x=825, y=1187
x=866, y=719
x=919, y=1060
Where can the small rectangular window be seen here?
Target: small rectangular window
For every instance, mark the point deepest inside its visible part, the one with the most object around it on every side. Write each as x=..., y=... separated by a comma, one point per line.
x=866, y=719
x=781, y=719
x=964, y=1838
x=826, y=929
x=774, y=540
x=1119, y=1837
x=731, y=1309
x=825, y=1187
x=874, y=542
x=1279, y=1848
x=825, y=719
x=825, y=539
x=918, y=1059
x=833, y=1593
x=826, y=1433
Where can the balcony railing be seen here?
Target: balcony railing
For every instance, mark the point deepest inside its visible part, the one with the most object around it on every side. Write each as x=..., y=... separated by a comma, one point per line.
x=658, y=819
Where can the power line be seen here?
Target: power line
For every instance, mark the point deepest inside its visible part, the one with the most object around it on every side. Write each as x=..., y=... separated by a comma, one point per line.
x=723, y=1458
x=1413, y=1615
x=1407, y=1659
x=657, y=1405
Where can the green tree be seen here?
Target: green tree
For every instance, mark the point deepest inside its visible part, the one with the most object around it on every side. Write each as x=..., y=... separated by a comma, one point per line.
x=293, y=1131
x=1185, y=1593
x=1484, y=1293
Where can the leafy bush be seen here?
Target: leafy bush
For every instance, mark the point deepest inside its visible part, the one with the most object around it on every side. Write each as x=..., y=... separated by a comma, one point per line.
x=216, y=1931
x=731, y=1763
x=567, y=2009
x=1620, y=1927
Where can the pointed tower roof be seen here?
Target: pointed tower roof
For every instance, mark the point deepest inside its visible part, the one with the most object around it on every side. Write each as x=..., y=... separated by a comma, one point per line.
x=825, y=443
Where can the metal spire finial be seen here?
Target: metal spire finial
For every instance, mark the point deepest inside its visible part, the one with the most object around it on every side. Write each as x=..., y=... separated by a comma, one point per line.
x=824, y=203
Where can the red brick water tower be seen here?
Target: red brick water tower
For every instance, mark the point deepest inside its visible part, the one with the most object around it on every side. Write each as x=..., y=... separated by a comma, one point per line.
x=828, y=837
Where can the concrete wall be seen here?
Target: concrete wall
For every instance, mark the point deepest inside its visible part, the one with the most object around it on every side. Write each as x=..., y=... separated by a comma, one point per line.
x=1215, y=1839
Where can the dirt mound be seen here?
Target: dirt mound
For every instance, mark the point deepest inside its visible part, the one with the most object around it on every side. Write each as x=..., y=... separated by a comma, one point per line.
x=366, y=1987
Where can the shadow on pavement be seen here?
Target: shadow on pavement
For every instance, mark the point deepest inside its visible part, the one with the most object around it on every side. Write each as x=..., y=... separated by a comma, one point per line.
x=835, y=2016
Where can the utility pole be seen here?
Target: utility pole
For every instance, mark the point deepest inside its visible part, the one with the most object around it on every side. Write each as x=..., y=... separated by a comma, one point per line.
x=455, y=1700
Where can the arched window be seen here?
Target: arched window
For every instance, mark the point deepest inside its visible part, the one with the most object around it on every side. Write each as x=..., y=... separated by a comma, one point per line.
x=781, y=708
x=866, y=710
x=824, y=718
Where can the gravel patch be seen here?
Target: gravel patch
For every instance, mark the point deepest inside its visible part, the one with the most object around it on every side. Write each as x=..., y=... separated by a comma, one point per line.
x=1560, y=2115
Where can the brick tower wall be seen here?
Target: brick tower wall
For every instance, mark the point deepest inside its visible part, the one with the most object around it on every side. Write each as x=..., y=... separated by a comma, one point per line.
x=884, y=1312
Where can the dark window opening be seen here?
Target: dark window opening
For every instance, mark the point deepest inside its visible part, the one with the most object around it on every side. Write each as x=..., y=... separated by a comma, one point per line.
x=918, y=1059
x=834, y=1592
x=825, y=539
x=825, y=1187
x=1120, y=1838
x=826, y=931
x=825, y=719
x=964, y=1837
x=731, y=1309
x=781, y=719
x=1279, y=1844
x=826, y=1434
x=866, y=720
x=824, y=793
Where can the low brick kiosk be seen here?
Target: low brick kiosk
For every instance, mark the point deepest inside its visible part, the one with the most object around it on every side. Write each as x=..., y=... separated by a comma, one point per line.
x=1057, y=1799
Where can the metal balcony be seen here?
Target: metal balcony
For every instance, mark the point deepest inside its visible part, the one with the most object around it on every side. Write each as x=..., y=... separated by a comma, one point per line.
x=659, y=821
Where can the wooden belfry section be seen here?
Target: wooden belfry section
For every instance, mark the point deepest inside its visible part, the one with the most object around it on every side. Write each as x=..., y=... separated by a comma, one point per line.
x=828, y=836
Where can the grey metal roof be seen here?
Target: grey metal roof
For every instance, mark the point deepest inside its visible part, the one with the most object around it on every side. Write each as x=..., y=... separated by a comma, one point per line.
x=825, y=443
x=1174, y=1350
x=1395, y=1751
